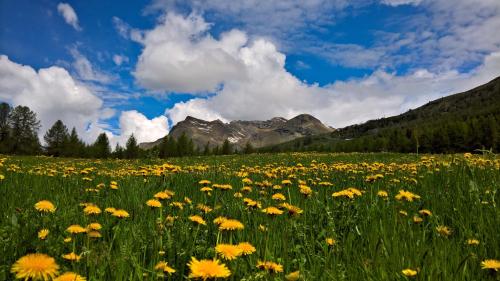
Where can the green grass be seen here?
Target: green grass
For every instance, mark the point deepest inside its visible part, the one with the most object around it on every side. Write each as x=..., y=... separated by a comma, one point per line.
x=373, y=240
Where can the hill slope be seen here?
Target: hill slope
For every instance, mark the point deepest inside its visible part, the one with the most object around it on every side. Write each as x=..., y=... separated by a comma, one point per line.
x=258, y=133
x=459, y=122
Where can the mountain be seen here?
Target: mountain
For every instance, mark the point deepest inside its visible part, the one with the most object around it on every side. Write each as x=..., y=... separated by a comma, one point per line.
x=455, y=123
x=238, y=133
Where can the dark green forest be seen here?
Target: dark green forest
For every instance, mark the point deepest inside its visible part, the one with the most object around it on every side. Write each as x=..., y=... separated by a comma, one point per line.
x=462, y=122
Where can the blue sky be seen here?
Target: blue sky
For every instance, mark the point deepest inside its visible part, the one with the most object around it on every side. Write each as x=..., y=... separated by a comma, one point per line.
x=141, y=66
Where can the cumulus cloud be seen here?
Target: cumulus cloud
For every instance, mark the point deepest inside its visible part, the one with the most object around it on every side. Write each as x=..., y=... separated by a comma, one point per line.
x=51, y=92
x=69, y=15
x=144, y=129
x=263, y=88
x=54, y=94
x=178, y=49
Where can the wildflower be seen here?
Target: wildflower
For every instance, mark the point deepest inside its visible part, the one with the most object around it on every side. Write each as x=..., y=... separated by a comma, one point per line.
x=75, y=229
x=197, y=219
x=45, y=206
x=417, y=219
x=204, y=182
x=67, y=239
x=330, y=241
x=286, y=182
x=94, y=234
x=35, y=266
x=153, y=203
x=71, y=257
x=272, y=211
x=92, y=210
x=292, y=210
x=187, y=200
x=293, y=276
x=270, y=266
x=238, y=195
x=42, y=234
x=472, y=242
x=205, y=269
x=443, y=230
x=204, y=208
x=409, y=272
x=162, y=195
x=110, y=210
x=219, y=220
x=262, y=228
x=403, y=213
x=382, y=193
x=304, y=189
x=246, y=248
x=231, y=225
x=206, y=189
x=425, y=212
x=491, y=264
x=94, y=226
x=350, y=192
x=278, y=196
x=70, y=276
x=120, y=214
x=407, y=196
x=277, y=187
x=228, y=251
x=163, y=266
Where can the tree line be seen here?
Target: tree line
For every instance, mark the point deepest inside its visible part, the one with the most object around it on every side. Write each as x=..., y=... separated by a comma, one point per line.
x=19, y=129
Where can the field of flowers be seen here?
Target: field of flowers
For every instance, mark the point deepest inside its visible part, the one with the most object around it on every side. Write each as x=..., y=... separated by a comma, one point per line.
x=303, y=216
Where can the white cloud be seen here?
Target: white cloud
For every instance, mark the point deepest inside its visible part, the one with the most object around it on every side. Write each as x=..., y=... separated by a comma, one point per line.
x=400, y=2
x=53, y=94
x=144, y=129
x=178, y=49
x=119, y=59
x=69, y=15
x=265, y=89
x=85, y=70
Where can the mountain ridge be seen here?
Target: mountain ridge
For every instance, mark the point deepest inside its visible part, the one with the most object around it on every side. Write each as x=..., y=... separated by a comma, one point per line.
x=259, y=133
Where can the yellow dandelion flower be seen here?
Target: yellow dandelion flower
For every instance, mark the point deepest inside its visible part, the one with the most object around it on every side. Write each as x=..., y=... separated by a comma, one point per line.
x=45, y=206
x=70, y=276
x=197, y=219
x=207, y=269
x=71, y=257
x=330, y=241
x=42, y=234
x=75, y=229
x=472, y=242
x=162, y=195
x=35, y=267
x=92, y=210
x=230, y=224
x=247, y=248
x=293, y=276
x=407, y=196
x=272, y=211
x=417, y=219
x=425, y=212
x=68, y=239
x=228, y=251
x=110, y=210
x=153, y=203
x=443, y=230
x=120, y=214
x=94, y=234
x=278, y=196
x=270, y=266
x=382, y=193
x=163, y=266
x=204, y=182
x=409, y=272
x=491, y=264
x=94, y=226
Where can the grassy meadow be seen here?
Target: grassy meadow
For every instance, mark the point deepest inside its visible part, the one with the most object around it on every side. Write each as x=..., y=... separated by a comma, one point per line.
x=304, y=216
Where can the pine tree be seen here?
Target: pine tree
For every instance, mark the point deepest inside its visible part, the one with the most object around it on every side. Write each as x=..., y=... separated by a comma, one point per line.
x=5, y=140
x=101, y=148
x=249, y=148
x=118, y=153
x=131, y=148
x=75, y=147
x=206, y=150
x=226, y=147
x=24, y=127
x=57, y=138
